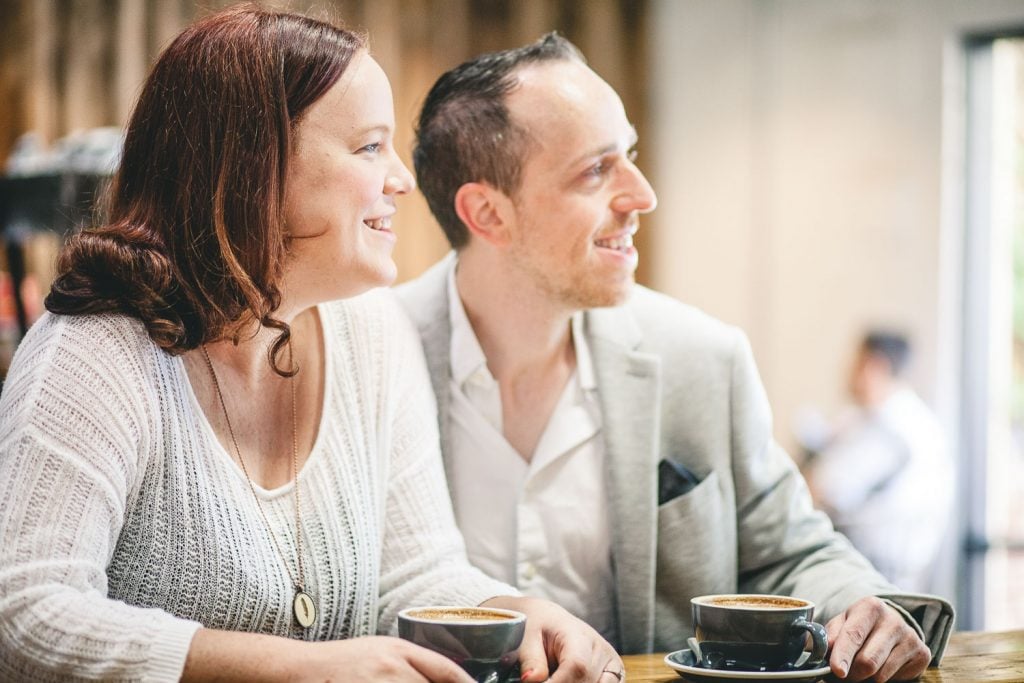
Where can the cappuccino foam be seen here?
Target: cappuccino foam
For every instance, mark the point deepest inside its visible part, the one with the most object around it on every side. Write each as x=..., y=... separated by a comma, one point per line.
x=758, y=602
x=461, y=614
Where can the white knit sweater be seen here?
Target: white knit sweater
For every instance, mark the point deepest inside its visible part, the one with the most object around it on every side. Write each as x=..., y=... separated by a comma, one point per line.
x=125, y=525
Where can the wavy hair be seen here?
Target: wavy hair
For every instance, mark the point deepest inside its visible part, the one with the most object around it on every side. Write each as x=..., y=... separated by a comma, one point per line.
x=194, y=242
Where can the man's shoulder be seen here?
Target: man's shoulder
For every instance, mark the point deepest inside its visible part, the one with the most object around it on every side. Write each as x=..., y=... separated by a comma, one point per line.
x=666, y=324
x=425, y=296
x=657, y=307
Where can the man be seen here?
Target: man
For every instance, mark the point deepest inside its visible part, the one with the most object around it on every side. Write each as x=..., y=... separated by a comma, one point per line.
x=607, y=447
x=885, y=476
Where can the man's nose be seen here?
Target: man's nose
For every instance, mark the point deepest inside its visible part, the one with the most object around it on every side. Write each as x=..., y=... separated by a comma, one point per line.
x=637, y=193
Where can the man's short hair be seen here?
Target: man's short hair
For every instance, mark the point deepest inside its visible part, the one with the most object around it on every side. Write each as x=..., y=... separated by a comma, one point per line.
x=892, y=346
x=465, y=133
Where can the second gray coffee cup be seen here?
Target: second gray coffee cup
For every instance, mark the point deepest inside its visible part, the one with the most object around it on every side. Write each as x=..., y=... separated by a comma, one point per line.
x=745, y=632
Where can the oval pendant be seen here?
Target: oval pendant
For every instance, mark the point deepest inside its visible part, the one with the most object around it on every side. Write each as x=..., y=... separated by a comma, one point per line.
x=305, y=609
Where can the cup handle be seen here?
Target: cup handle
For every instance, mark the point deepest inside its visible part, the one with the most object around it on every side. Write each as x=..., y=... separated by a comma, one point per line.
x=819, y=640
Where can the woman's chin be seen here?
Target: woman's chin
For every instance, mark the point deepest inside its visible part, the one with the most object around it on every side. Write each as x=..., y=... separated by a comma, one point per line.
x=372, y=278
x=387, y=275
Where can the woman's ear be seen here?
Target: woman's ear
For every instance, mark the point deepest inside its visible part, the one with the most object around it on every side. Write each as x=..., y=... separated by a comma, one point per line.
x=487, y=212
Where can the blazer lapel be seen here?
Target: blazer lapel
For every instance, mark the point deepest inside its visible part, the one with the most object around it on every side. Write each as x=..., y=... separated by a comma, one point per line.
x=426, y=302
x=629, y=388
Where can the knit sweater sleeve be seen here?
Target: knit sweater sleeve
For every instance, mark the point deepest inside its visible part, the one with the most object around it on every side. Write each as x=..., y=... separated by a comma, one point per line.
x=74, y=430
x=424, y=558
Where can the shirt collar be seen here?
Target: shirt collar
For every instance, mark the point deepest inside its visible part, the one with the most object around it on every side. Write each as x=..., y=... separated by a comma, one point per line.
x=467, y=358
x=465, y=355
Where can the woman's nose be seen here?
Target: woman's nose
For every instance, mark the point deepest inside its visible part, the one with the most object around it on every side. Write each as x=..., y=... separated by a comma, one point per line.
x=400, y=180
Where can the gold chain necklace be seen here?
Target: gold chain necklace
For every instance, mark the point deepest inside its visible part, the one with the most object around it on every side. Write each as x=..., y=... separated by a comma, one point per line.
x=302, y=606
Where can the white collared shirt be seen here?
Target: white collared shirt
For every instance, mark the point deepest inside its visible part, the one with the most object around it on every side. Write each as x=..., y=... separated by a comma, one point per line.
x=542, y=525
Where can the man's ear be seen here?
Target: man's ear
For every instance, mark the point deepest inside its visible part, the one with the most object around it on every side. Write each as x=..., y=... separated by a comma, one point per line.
x=486, y=212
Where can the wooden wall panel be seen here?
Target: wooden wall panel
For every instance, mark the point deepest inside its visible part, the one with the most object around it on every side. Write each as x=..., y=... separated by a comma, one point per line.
x=86, y=37
x=164, y=20
x=131, y=56
x=42, y=98
x=16, y=59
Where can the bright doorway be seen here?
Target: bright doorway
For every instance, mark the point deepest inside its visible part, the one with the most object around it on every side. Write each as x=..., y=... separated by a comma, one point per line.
x=992, y=361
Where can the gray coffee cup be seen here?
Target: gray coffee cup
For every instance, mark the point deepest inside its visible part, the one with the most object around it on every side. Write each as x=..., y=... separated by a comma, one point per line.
x=482, y=640
x=746, y=632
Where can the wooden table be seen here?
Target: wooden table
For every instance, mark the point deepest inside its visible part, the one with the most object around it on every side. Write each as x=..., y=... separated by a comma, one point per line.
x=969, y=658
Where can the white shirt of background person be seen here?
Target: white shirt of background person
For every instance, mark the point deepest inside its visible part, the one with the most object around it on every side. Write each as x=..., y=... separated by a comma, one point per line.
x=886, y=480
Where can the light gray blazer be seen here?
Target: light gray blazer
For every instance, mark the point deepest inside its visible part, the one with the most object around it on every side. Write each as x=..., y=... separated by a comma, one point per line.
x=676, y=384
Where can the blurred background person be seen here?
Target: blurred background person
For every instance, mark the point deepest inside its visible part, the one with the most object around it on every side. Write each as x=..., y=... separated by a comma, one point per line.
x=883, y=473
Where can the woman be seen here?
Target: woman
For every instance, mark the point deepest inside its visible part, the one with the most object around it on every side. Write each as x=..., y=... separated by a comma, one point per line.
x=205, y=466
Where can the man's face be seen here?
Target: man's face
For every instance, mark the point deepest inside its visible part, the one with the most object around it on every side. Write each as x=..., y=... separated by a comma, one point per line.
x=580, y=195
x=871, y=378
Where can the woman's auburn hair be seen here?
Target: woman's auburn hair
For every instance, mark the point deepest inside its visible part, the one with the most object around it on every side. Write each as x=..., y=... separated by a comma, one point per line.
x=194, y=242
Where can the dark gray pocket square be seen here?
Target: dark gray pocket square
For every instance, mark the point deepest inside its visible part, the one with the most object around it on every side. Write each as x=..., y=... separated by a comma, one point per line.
x=674, y=480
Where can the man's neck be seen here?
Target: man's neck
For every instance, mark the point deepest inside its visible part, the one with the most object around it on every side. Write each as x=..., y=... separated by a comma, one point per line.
x=518, y=327
x=881, y=395
x=527, y=341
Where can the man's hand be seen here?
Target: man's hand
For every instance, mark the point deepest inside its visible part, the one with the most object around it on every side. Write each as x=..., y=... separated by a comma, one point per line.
x=871, y=641
x=560, y=645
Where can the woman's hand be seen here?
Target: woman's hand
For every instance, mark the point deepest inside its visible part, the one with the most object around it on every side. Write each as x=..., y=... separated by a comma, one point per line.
x=379, y=658
x=557, y=641
x=231, y=656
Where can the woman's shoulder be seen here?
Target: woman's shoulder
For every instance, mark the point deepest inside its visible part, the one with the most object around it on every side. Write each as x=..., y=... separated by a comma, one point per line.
x=372, y=330
x=375, y=315
x=81, y=357
x=92, y=334
x=376, y=304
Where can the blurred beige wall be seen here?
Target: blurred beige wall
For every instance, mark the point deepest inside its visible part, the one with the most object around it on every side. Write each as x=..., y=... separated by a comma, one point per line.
x=800, y=150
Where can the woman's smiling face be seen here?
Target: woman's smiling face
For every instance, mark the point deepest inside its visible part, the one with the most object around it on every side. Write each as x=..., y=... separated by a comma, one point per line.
x=342, y=180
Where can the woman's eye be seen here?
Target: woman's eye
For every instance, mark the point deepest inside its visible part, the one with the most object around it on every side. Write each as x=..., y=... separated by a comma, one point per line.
x=373, y=148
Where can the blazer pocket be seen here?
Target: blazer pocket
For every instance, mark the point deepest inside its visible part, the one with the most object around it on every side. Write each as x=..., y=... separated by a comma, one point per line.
x=699, y=506
x=694, y=539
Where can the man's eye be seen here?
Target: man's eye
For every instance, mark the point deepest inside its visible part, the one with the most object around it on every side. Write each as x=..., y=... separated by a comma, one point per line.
x=632, y=155
x=598, y=169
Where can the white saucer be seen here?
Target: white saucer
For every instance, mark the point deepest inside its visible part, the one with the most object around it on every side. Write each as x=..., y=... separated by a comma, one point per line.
x=684, y=664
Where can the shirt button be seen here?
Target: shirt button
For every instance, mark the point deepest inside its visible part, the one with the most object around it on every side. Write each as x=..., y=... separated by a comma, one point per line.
x=527, y=571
